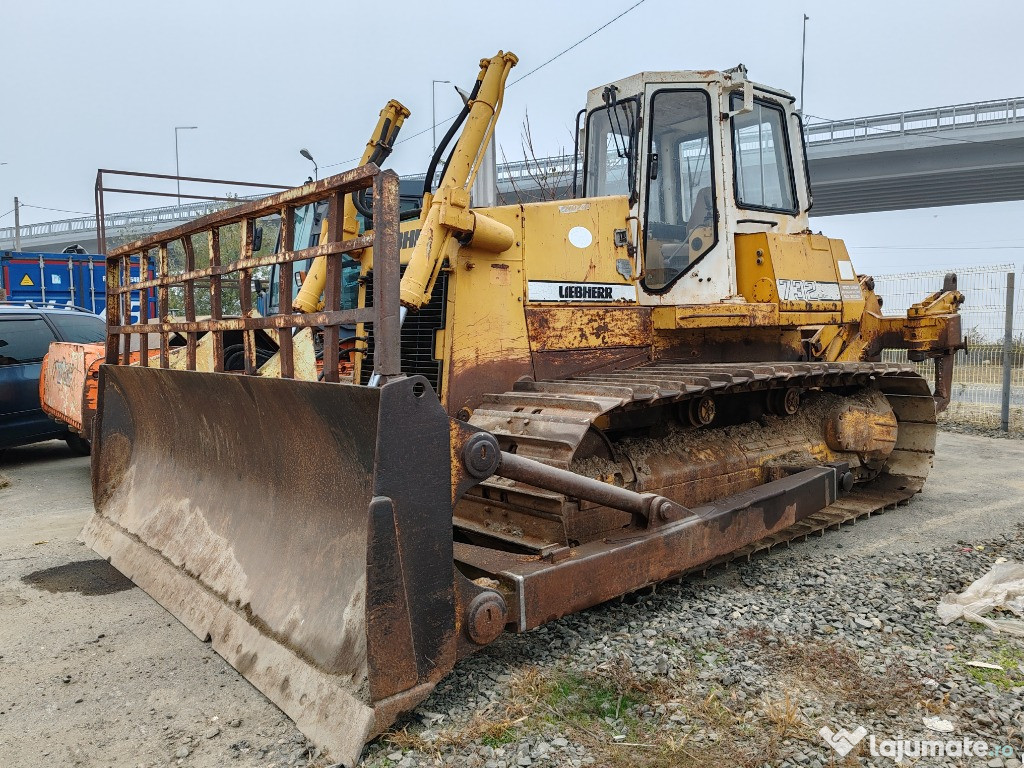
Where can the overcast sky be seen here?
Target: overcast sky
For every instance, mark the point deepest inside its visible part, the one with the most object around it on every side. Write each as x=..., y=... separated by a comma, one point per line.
x=103, y=84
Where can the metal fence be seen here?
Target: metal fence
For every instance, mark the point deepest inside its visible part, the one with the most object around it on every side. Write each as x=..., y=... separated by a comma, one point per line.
x=980, y=396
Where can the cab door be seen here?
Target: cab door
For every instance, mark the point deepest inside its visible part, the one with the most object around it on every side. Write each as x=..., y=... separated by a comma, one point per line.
x=686, y=253
x=24, y=340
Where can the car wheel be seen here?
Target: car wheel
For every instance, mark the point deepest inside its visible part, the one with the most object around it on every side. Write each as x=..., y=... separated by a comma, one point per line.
x=78, y=445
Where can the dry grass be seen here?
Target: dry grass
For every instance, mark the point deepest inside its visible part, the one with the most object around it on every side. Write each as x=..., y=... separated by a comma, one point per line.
x=626, y=720
x=495, y=726
x=833, y=669
x=622, y=719
x=785, y=715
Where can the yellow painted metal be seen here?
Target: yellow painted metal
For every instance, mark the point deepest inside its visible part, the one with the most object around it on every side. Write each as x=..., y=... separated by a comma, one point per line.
x=567, y=328
x=707, y=316
x=853, y=295
x=178, y=356
x=485, y=339
x=303, y=358
x=930, y=324
x=494, y=330
x=546, y=233
x=408, y=235
x=446, y=215
x=389, y=122
x=763, y=259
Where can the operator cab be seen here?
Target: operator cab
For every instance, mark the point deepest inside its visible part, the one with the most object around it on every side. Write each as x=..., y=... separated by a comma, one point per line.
x=699, y=154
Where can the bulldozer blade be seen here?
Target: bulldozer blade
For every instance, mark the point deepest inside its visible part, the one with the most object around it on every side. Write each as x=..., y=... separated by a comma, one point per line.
x=302, y=528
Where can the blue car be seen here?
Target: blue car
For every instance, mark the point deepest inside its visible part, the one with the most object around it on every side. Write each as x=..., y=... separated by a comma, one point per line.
x=26, y=330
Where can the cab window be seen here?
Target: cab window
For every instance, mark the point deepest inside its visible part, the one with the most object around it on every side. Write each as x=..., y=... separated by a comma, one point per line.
x=760, y=148
x=680, y=226
x=79, y=328
x=24, y=340
x=611, y=153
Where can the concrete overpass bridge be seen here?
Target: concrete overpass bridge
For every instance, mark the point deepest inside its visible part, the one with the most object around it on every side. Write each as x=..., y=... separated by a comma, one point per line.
x=954, y=155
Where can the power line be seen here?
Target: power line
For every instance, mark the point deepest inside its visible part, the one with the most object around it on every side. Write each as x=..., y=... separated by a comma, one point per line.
x=517, y=80
x=578, y=42
x=58, y=210
x=8, y=213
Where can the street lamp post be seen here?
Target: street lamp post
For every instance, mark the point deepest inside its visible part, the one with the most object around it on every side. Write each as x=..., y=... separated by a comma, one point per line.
x=316, y=170
x=433, y=111
x=177, y=172
x=803, y=57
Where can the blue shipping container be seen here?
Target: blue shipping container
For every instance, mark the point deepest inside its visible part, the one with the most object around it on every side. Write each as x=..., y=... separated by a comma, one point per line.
x=63, y=279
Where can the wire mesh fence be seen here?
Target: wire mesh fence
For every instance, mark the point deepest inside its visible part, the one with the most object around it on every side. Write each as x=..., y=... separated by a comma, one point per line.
x=978, y=391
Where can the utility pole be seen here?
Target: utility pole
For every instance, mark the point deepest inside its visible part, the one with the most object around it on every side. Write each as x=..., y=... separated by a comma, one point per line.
x=17, y=225
x=433, y=112
x=803, y=57
x=1004, y=410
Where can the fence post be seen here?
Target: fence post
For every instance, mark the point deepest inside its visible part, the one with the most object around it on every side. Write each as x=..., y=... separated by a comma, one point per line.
x=1004, y=416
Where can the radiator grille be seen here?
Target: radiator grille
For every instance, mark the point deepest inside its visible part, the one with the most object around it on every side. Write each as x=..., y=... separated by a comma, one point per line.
x=417, y=335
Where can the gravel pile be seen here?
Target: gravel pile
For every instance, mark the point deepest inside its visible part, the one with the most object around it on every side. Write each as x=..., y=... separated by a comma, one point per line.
x=741, y=667
x=968, y=428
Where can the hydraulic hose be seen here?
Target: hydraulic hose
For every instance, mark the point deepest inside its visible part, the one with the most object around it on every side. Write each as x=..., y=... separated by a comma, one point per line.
x=428, y=182
x=380, y=153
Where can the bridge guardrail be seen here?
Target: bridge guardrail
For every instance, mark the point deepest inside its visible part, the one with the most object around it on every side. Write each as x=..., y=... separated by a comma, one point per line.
x=916, y=121
x=921, y=121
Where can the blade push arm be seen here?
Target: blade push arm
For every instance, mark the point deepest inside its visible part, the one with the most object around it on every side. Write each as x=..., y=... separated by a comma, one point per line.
x=377, y=149
x=447, y=220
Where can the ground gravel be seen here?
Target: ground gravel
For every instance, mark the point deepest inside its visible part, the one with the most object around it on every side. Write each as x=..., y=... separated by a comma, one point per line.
x=741, y=666
x=967, y=427
x=735, y=635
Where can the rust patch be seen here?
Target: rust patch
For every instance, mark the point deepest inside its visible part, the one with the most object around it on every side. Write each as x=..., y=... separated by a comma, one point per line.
x=569, y=328
x=580, y=362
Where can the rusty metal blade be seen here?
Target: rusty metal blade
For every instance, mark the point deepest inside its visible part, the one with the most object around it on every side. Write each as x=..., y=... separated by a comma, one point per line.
x=269, y=517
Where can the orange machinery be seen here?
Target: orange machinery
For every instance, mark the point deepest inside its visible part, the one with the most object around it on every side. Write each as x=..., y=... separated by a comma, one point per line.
x=68, y=384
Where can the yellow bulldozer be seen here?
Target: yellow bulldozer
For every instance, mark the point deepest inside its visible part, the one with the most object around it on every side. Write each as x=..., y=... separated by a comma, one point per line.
x=519, y=412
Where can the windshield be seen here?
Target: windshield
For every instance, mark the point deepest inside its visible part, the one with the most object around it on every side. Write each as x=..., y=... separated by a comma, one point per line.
x=79, y=327
x=764, y=176
x=611, y=151
x=681, y=200
x=307, y=234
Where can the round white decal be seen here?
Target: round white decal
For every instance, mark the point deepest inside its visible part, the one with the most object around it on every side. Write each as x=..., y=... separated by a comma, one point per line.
x=580, y=237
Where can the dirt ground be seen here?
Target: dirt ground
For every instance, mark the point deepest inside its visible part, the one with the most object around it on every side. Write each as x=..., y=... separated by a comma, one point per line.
x=94, y=673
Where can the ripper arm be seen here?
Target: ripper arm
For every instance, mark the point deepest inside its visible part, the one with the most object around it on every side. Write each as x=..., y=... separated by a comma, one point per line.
x=931, y=329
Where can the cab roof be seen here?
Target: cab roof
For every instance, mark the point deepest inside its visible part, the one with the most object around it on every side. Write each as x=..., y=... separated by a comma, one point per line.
x=634, y=84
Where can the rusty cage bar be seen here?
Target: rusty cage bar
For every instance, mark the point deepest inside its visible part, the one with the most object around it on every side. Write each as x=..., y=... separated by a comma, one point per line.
x=384, y=314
